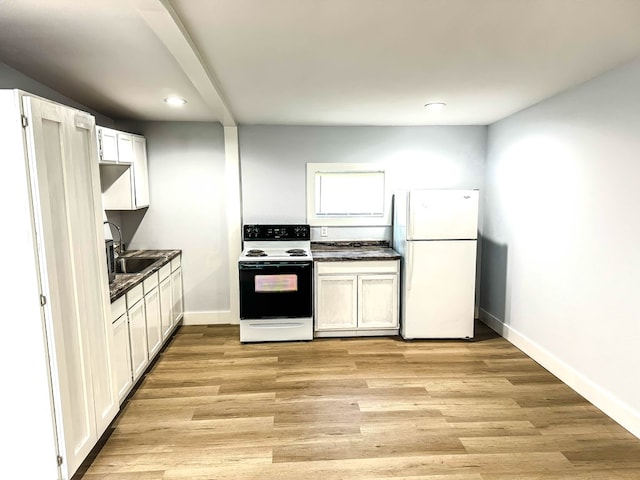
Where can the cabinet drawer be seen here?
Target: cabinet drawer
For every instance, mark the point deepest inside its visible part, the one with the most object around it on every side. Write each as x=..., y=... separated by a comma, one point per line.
x=165, y=271
x=175, y=263
x=357, y=268
x=150, y=282
x=134, y=295
x=118, y=308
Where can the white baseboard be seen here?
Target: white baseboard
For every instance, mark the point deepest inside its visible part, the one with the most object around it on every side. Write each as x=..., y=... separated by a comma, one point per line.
x=619, y=411
x=223, y=317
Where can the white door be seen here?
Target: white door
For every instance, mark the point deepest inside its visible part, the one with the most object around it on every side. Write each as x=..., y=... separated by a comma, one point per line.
x=138, y=337
x=378, y=301
x=336, y=302
x=154, y=325
x=166, y=304
x=442, y=215
x=439, y=290
x=85, y=209
x=125, y=148
x=122, y=356
x=62, y=150
x=108, y=147
x=176, y=295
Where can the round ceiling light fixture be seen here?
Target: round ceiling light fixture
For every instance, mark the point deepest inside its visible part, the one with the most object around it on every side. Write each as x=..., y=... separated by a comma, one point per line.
x=175, y=101
x=435, y=106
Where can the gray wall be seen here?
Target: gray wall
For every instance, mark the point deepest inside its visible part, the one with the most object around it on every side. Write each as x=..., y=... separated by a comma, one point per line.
x=561, y=262
x=273, y=162
x=11, y=78
x=187, y=207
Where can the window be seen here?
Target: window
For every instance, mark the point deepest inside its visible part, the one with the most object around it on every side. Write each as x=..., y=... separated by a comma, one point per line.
x=349, y=193
x=346, y=194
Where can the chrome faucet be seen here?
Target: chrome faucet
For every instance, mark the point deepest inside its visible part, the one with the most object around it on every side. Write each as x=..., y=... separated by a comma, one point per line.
x=119, y=246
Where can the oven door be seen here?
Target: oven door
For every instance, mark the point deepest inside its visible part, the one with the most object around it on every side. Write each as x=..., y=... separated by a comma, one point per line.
x=276, y=289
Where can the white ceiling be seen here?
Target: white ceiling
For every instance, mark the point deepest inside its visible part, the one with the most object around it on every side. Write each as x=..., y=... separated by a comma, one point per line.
x=316, y=62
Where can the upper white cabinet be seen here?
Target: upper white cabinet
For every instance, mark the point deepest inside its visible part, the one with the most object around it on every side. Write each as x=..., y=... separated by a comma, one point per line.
x=61, y=298
x=107, y=145
x=125, y=148
x=124, y=178
x=356, y=298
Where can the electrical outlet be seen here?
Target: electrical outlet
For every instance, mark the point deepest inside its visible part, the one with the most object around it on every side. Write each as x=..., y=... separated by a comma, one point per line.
x=324, y=231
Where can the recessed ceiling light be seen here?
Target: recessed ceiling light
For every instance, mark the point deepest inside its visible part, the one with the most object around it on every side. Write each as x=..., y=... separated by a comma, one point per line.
x=175, y=101
x=435, y=106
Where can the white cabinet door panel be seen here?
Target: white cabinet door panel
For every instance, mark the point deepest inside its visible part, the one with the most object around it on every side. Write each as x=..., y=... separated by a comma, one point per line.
x=122, y=356
x=176, y=295
x=166, y=307
x=138, y=336
x=140, y=172
x=154, y=327
x=378, y=301
x=337, y=302
x=125, y=148
x=108, y=145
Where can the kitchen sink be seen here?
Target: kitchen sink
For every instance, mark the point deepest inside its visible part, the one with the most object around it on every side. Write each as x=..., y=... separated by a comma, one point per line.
x=134, y=264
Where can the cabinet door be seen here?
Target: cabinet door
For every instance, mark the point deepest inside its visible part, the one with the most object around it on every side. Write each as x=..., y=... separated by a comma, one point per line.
x=138, y=337
x=62, y=160
x=377, y=301
x=125, y=148
x=140, y=172
x=336, y=302
x=122, y=356
x=176, y=291
x=166, y=307
x=154, y=327
x=107, y=145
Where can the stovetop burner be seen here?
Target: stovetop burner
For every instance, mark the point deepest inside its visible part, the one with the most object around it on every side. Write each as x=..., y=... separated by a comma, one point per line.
x=296, y=252
x=256, y=253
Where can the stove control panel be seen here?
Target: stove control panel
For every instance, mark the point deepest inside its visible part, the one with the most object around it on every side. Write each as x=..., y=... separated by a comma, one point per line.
x=276, y=232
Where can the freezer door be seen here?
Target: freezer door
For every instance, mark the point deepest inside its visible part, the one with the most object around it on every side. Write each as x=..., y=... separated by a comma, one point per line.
x=439, y=289
x=443, y=215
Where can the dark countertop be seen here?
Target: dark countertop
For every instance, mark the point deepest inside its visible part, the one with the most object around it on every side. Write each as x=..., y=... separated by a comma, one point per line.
x=348, y=251
x=125, y=282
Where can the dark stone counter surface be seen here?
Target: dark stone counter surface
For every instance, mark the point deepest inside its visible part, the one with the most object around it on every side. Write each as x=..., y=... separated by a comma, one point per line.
x=348, y=251
x=126, y=281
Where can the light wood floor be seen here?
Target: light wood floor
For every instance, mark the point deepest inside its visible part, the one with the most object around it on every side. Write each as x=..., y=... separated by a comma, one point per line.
x=368, y=408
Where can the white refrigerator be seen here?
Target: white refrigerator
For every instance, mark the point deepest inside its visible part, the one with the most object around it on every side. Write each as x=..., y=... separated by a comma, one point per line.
x=436, y=232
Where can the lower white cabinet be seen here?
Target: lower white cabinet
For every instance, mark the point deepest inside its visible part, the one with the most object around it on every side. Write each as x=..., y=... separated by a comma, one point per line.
x=152, y=311
x=176, y=290
x=137, y=332
x=121, y=348
x=141, y=322
x=166, y=301
x=356, y=298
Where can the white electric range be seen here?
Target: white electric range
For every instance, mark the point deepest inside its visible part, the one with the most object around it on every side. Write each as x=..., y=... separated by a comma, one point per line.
x=276, y=283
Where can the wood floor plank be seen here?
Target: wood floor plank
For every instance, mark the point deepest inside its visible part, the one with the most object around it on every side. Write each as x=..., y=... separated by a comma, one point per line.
x=357, y=408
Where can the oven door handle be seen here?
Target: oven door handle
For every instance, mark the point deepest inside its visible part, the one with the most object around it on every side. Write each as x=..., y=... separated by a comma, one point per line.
x=263, y=265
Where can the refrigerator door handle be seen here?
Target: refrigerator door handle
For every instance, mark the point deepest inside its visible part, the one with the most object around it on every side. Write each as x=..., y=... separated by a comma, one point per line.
x=409, y=263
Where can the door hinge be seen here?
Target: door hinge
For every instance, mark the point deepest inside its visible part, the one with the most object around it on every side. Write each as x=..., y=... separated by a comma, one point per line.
x=59, y=459
x=43, y=300
x=25, y=121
